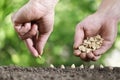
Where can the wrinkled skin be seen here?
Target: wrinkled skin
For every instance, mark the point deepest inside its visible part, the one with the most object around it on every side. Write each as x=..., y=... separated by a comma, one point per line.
x=91, y=26
x=34, y=24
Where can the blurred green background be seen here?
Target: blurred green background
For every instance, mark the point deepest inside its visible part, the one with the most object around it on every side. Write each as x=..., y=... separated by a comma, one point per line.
x=58, y=49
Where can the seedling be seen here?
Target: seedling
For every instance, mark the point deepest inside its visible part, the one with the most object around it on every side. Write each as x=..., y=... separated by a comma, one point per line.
x=73, y=66
x=62, y=67
x=101, y=66
x=92, y=67
x=82, y=66
x=52, y=66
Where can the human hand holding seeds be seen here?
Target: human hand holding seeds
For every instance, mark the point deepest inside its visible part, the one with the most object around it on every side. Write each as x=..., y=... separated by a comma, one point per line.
x=93, y=25
x=103, y=22
x=34, y=24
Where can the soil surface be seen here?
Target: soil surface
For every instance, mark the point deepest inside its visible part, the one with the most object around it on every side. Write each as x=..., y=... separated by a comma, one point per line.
x=38, y=73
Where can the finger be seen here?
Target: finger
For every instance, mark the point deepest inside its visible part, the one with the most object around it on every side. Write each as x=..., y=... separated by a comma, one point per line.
x=79, y=36
x=77, y=52
x=31, y=33
x=90, y=55
x=17, y=28
x=41, y=42
x=83, y=56
x=25, y=28
x=45, y=29
x=31, y=48
x=96, y=58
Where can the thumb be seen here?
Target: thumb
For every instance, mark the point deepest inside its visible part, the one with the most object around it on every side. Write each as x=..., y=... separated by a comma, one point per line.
x=79, y=36
x=78, y=39
x=45, y=29
x=109, y=33
x=42, y=39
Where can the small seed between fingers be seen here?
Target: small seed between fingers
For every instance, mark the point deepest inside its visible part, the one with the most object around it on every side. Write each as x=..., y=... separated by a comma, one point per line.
x=40, y=56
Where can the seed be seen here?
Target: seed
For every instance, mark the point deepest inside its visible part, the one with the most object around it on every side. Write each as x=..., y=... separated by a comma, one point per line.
x=73, y=66
x=82, y=48
x=98, y=37
x=101, y=66
x=62, y=67
x=91, y=39
x=40, y=56
x=92, y=67
x=88, y=50
x=52, y=66
x=82, y=66
x=98, y=46
x=91, y=44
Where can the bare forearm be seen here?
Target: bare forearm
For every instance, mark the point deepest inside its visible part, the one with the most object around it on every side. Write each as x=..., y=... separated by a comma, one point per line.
x=50, y=3
x=110, y=8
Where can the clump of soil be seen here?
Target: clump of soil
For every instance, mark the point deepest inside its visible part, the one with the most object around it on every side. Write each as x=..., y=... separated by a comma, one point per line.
x=39, y=73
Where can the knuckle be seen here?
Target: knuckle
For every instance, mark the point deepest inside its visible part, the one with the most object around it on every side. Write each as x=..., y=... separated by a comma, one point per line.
x=32, y=33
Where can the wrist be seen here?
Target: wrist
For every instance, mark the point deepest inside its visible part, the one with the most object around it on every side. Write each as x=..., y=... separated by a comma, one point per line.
x=110, y=9
x=108, y=14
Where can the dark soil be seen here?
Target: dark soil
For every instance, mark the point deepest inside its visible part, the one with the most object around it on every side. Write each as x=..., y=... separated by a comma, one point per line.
x=38, y=73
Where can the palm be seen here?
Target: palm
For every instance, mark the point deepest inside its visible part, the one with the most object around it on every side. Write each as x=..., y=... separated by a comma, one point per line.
x=92, y=26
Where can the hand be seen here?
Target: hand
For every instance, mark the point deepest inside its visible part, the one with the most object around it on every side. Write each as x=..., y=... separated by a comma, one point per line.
x=34, y=24
x=91, y=26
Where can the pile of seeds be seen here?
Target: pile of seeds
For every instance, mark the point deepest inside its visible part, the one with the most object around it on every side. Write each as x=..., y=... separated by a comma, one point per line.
x=91, y=44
